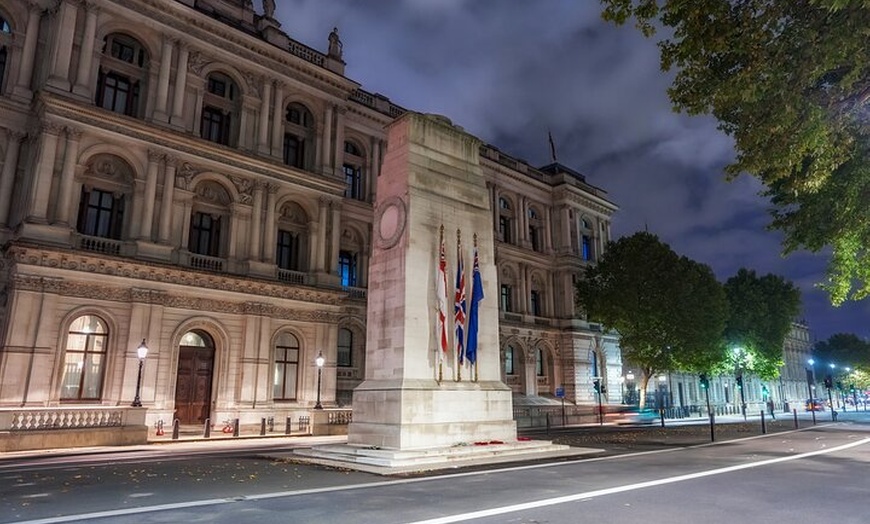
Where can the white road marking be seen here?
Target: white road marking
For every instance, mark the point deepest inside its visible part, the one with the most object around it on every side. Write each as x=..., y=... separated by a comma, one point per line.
x=454, y=518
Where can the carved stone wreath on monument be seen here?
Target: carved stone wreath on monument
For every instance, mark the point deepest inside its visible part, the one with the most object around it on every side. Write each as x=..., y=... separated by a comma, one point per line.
x=390, y=222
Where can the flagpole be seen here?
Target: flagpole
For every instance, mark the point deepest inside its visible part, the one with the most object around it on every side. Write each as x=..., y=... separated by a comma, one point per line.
x=477, y=352
x=440, y=349
x=455, y=332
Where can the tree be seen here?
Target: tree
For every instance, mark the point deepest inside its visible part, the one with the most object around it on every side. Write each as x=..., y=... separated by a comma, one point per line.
x=760, y=314
x=669, y=311
x=789, y=80
x=843, y=349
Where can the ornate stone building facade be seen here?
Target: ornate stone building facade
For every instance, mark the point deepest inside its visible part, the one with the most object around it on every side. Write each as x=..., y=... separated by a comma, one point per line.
x=182, y=172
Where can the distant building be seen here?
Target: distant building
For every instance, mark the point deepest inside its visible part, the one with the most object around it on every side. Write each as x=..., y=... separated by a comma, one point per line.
x=184, y=173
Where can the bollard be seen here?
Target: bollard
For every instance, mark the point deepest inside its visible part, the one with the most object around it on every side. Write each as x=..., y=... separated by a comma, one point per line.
x=270, y=424
x=263, y=426
x=160, y=431
x=713, y=426
x=175, y=429
x=288, y=426
x=206, y=431
x=795, y=419
x=763, y=425
x=235, y=427
x=548, y=424
x=662, y=414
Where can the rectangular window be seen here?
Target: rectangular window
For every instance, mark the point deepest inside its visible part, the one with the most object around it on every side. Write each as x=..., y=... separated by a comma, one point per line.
x=504, y=229
x=347, y=268
x=539, y=363
x=293, y=151
x=353, y=179
x=204, y=235
x=509, y=361
x=2, y=65
x=286, y=367
x=506, y=305
x=100, y=214
x=215, y=125
x=536, y=302
x=587, y=248
x=287, y=254
x=122, y=51
x=533, y=237
x=345, y=348
x=118, y=94
x=217, y=87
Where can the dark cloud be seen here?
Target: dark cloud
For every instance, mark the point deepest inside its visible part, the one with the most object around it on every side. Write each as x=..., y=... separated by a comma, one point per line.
x=510, y=71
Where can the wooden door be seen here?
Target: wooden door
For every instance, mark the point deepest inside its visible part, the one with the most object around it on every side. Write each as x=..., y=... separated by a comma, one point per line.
x=193, y=385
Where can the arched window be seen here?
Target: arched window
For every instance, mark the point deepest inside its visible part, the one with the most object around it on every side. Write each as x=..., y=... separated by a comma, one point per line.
x=349, y=258
x=209, y=213
x=539, y=362
x=107, y=184
x=219, y=108
x=123, y=70
x=586, y=235
x=505, y=221
x=292, y=249
x=286, y=367
x=536, y=297
x=354, y=172
x=509, y=360
x=298, y=136
x=345, y=348
x=84, y=359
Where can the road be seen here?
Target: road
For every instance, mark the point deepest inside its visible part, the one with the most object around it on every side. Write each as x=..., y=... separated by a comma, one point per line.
x=816, y=474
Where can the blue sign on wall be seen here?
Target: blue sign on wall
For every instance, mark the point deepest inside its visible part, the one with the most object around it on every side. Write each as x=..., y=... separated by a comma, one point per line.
x=560, y=392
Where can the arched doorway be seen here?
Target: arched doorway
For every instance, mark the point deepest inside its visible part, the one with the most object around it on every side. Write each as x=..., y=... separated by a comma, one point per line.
x=193, y=383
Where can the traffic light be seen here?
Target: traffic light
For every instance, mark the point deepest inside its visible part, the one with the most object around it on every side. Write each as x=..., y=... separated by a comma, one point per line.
x=740, y=381
x=840, y=385
x=596, y=385
x=764, y=391
x=829, y=382
x=851, y=388
x=705, y=382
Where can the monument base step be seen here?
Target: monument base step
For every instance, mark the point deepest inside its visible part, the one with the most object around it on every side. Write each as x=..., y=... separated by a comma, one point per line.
x=391, y=462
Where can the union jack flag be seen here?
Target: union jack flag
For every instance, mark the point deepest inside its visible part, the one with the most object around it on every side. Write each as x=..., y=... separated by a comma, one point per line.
x=459, y=306
x=441, y=291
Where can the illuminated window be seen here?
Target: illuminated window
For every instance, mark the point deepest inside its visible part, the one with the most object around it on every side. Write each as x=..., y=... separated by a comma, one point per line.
x=84, y=359
x=286, y=367
x=509, y=360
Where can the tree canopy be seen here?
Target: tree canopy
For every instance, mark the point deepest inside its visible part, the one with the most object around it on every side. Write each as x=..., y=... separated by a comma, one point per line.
x=760, y=315
x=669, y=311
x=789, y=80
x=843, y=349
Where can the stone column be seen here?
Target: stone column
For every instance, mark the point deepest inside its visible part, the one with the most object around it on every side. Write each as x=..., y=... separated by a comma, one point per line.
x=61, y=50
x=321, y=236
x=338, y=147
x=150, y=197
x=31, y=38
x=374, y=170
x=163, y=81
x=271, y=239
x=263, y=123
x=335, y=242
x=326, y=140
x=256, y=222
x=180, y=85
x=44, y=173
x=166, y=201
x=278, y=121
x=7, y=176
x=548, y=230
x=566, y=229
x=493, y=189
x=235, y=227
x=86, y=57
x=67, y=177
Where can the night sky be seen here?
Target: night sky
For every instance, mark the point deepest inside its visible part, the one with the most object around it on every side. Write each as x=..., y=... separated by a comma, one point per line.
x=509, y=71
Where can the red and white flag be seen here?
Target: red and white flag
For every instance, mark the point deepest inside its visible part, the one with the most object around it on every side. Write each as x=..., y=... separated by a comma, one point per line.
x=441, y=294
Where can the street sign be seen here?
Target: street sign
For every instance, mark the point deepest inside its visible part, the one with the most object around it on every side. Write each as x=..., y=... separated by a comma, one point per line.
x=560, y=392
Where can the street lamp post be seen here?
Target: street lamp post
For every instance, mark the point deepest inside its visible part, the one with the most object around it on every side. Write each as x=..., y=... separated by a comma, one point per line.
x=829, y=383
x=141, y=352
x=811, y=379
x=319, y=361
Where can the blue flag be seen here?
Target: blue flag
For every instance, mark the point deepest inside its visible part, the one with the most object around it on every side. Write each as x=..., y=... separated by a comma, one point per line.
x=476, y=296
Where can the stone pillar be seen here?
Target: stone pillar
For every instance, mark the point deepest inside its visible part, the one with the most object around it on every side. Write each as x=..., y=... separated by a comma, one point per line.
x=278, y=121
x=374, y=170
x=566, y=229
x=548, y=230
x=335, y=242
x=269, y=243
x=166, y=201
x=326, y=140
x=28, y=54
x=86, y=57
x=67, y=177
x=402, y=405
x=263, y=123
x=256, y=223
x=62, y=46
x=338, y=147
x=180, y=85
x=7, y=176
x=494, y=203
x=322, y=228
x=37, y=209
x=163, y=81
x=150, y=199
